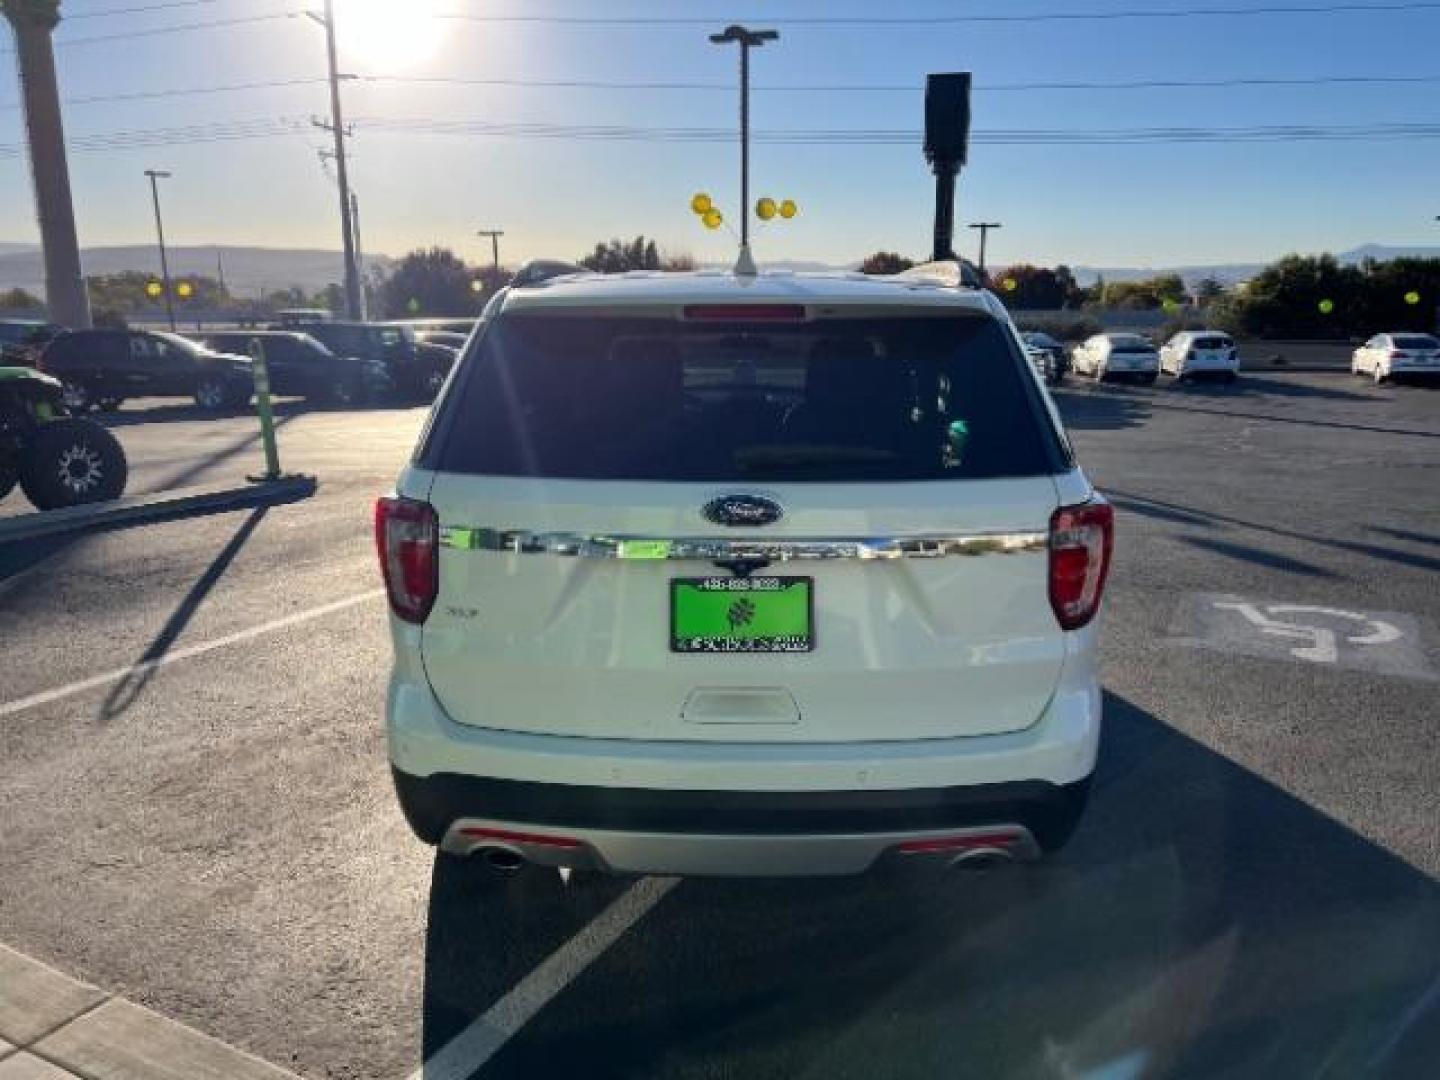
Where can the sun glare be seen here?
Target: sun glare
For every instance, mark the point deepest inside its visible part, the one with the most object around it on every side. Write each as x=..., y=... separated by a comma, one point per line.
x=388, y=35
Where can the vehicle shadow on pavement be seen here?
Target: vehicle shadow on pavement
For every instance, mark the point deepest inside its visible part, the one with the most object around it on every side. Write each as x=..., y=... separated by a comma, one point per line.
x=1094, y=409
x=1203, y=922
x=1248, y=385
x=191, y=472
x=1163, y=510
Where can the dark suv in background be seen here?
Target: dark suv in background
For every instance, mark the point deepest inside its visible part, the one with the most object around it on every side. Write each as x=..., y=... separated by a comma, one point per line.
x=21, y=340
x=416, y=371
x=301, y=366
x=102, y=368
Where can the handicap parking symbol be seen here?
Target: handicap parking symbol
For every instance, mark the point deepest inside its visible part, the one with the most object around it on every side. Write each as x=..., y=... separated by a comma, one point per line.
x=1386, y=642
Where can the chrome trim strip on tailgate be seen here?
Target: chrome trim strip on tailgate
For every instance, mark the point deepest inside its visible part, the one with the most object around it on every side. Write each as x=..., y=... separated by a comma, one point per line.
x=651, y=548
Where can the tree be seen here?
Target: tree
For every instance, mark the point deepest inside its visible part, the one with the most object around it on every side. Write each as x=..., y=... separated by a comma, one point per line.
x=19, y=300
x=1208, y=290
x=427, y=282
x=1033, y=288
x=128, y=292
x=886, y=262
x=616, y=256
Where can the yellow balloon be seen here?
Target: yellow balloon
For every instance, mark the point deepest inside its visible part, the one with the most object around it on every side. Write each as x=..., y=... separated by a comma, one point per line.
x=788, y=209
x=702, y=203
x=1010, y=284
x=1326, y=306
x=765, y=209
x=477, y=286
x=154, y=289
x=713, y=219
x=184, y=290
x=1412, y=298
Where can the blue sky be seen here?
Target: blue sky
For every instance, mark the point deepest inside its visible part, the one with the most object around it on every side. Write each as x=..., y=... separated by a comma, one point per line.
x=1098, y=205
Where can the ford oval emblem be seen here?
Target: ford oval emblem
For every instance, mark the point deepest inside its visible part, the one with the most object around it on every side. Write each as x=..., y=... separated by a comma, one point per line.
x=742, y=510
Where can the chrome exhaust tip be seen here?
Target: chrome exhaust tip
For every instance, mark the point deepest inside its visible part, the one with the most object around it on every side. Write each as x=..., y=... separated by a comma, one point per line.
x=981, y=859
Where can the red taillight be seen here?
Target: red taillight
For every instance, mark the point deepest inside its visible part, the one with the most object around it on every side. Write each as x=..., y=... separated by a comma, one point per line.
x=1080, y=541
x=747, y=312
x=407, y=536
x=1396, y=354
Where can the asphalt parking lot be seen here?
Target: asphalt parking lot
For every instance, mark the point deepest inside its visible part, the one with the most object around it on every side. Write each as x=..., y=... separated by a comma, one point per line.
x=1253, y=891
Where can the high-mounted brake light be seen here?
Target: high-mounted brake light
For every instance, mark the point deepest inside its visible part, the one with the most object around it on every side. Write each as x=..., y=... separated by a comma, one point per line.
x=407, y=537
x=746, y=312
x=1081, y=538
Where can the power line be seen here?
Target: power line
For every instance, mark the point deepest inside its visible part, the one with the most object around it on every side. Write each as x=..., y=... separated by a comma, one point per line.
x=597, y=84
x=175, y=28
x=189, y=91
x=287, y=126
x=957, y=20
x=136, y=9
x=915, y=21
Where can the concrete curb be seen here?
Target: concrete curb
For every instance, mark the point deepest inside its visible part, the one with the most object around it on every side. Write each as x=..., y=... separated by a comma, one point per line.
x=139, y=509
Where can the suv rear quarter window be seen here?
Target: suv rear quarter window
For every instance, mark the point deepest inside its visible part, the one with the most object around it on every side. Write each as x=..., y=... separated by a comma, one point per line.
x=584, y=395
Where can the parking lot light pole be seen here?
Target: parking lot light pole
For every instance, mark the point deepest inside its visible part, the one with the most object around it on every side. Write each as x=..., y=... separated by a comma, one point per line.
x=155, y=176
x=747, y=40
x=984, y=227
x=494, y=235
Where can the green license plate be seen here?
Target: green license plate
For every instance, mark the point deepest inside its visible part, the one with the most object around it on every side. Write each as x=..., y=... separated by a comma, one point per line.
x=742, y=615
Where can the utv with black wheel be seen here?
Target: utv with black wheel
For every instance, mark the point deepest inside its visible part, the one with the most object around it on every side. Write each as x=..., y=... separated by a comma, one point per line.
x=59, y=460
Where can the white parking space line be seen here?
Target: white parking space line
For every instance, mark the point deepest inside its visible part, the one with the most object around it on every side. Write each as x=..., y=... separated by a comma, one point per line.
x=486, y=1034
x=10, y=708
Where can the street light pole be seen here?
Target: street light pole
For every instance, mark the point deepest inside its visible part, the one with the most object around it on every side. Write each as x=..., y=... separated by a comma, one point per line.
x=747, y=40
x=155, y=176
x=984, y=227
x=494, y=235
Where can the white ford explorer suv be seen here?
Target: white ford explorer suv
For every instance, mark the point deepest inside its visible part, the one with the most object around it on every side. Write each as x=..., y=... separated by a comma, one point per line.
x=719, y=574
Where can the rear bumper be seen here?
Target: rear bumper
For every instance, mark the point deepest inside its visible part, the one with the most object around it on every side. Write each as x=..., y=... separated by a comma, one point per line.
x=742, y=833
x=698, y=807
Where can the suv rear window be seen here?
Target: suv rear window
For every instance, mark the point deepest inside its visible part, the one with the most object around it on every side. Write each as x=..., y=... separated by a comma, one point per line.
x=1130, y=345
x=587, y=396
x=1415, y=341
x=1210, y=341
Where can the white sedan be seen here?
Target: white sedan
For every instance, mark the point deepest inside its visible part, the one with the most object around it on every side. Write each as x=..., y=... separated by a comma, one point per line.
x=1387, y=355
x=1105, y=355
x=1200, y=352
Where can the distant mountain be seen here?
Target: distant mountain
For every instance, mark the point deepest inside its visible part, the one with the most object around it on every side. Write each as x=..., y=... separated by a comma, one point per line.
x=1382, y=252
x=248, y=270
x=1225, y=273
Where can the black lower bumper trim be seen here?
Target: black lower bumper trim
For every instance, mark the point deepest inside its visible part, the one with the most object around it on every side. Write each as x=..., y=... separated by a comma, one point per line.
x=432, y=803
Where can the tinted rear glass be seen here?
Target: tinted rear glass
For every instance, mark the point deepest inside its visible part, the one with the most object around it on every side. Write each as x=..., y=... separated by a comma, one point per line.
x=1415, y=341
x=1130, y=345
x=1210, y=342
x=590, y=397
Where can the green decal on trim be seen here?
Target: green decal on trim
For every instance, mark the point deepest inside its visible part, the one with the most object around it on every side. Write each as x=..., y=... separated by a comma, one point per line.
x=644, y=549
x=464, y=539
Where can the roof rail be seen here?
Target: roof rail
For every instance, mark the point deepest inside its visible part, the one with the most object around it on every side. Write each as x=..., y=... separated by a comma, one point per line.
x=956, y=273
x=539, y=271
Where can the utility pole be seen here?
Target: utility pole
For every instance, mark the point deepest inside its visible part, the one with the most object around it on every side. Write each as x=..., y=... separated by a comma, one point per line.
x=342, y=174
x=155, y=176
x=65, y=293
x=984, y=227
x=494, y=235
x=747, y=40
x=220, y=269
x=359, y=256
